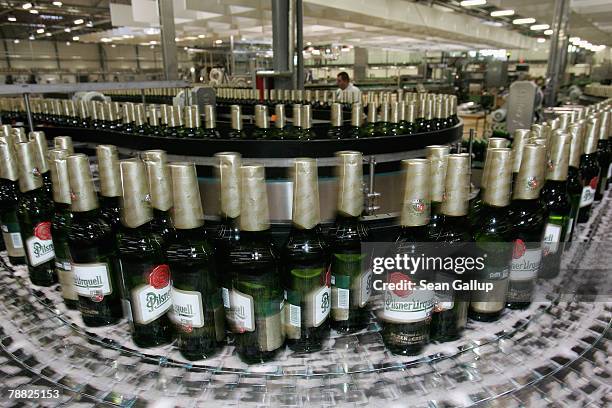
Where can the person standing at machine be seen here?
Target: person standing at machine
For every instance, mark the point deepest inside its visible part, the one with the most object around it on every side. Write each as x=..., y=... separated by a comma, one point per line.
x=346, y=92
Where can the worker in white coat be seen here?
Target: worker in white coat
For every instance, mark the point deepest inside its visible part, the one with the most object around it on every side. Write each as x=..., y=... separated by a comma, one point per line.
x=346, y=92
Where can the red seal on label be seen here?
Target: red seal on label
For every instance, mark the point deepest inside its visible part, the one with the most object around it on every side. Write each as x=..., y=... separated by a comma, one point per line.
x=327, y=277
x=519, y=249
x=97, y=297
x=42, y=231
x=593, y=182
x=187, y=328
x=159, y=277
x=399, y=278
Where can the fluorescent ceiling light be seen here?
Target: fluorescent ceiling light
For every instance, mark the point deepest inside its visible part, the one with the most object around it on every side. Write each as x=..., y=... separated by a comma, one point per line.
x=469, y=3
x=528, y=20
x=201, y=36
x=31, y=37
x=68, y=43
x=40, y=30
x=57, y=3
x=548, y=32
x=11, y=18
x=16, y=41
x=105, y=39
x=75, y=38
x=541, y=40
x=89, y=24
x=27, y=6
x=574, y=39
x=33, y=11
x=79, y=21
x=67, y=29
x=218, y=41
x=539, y=27
x=502, y=13
x=48, y=34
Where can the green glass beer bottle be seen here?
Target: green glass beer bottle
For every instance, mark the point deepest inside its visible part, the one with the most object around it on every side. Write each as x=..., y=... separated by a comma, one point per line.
x=60, y=225
x=305, y=261
x=406, y=313
x=144, y=271
x=92, y=247
x=41, y=159
x=110, y=184
x=34, y=212
x=160, y=191
x=197, y=309
x=9, y=190
x=351, y=287
x=257, y=296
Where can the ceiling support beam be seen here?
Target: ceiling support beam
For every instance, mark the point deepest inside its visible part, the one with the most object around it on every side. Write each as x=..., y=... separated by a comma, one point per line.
x=558, y=51
x=168, y=42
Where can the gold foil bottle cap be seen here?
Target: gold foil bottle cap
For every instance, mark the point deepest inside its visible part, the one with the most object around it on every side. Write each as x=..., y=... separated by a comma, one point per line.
x=7, y=131
x=228, y=174
x=530, y=177
x=187, y=212
x=297, y=115
x=164, y=114
x=306, y=212
x=19, y=135
x=438, y=158
x=356, y=114
x=555, y=124
x=564, y=121
x=83, y=110
x=110, y=111
x=518, y=143
x=281, y=119
x=395, y=112
x=82, y=193
x=384, y=112
x=158, y=174
x=59, y=175
x=576, y=131
x=8, y=162
x=94, y=110
x=536, y=131
x=401, y=110
x=129, y=113
x=411, y=111
x=446, y=106
x=416, y=205
x=262, y=120
x=439, y=109
x=210, y=120
x=497, y=142
x=140, y=117
x=108, y=168
x=336, y=115
x=29, y=175
x=428, y=109
x=350, y=183
x=175, y=119
x=499, y=179
x=191, y=117
x=236, y=117
x=371, y=112
x=457, y=186
x=136, y=208
x=69, y=108
x=604, y=125
x=254, y=212
x=306, y=122
x=64, y=143
x=154, y=116
x=41, y=151
x=558, y=161
x=592, y=136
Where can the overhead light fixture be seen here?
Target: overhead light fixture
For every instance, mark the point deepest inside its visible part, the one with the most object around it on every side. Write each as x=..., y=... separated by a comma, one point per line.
x=469, y=3
x=68, y=43
x=153, y=42
x=33, y=11
x=541, y=40
x=127, y=36
x=89, y=24
x=67, y=29
x=201, y=36
x=548, y=32
x=31, y=37
x=79, y=21
x=75, y=38
x=502, y=13
x=11, y=18
x=218, y=41
x=113, y=45
x=40, y=30
x=57, y=3
x=48, y=34
x=105, y=39
x=16, y=41
x=528, y=20
x=574, y=39
x=539, y=27
x=27, y=6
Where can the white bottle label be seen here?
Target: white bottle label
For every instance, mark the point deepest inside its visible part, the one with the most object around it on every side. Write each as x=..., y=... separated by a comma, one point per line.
x=39, y=245
x=225, y=295
x=588, y=195
x=92, y=280
x=365, y=288
x=242, y=311
x=66, y=280
x=527, y=265
x=552, y=237
x=404, y=306
x=187, y=309
x=342, y=298
x=322, y=305
x=149, y=303
x=295, y=315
